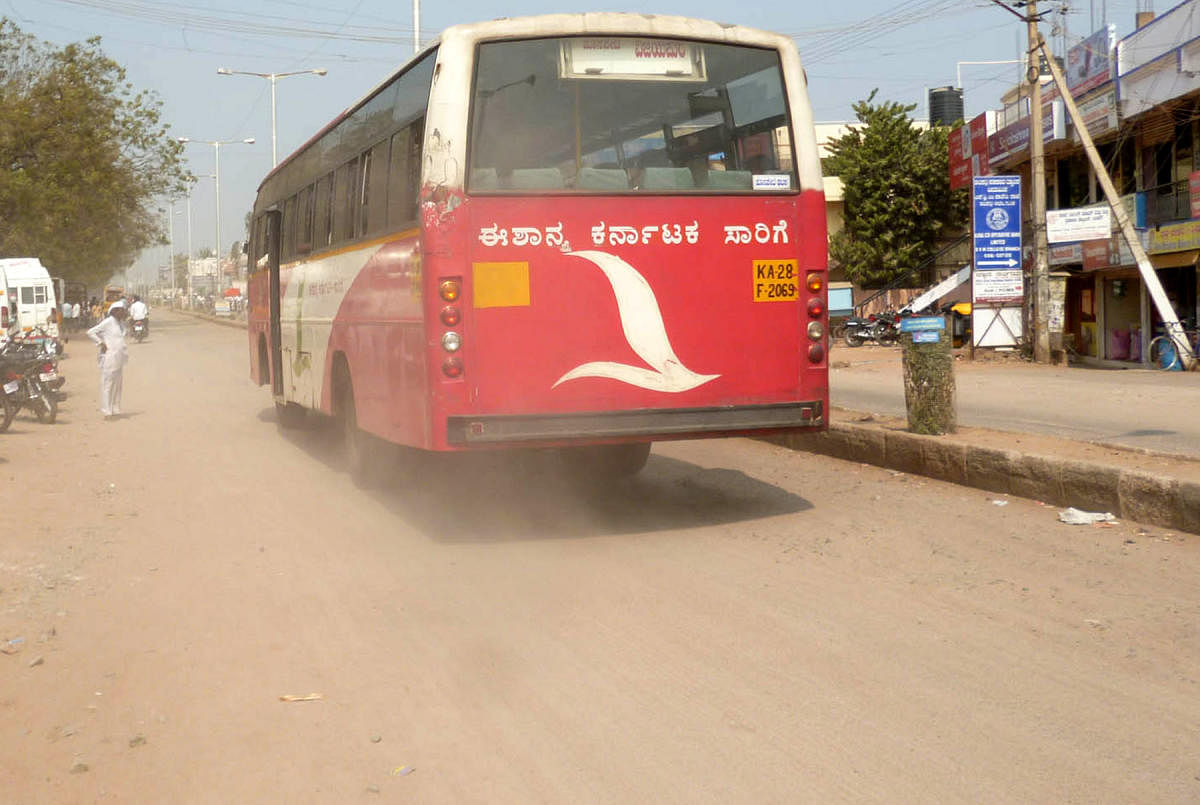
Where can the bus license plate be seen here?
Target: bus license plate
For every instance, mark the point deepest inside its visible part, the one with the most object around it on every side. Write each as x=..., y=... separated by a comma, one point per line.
x=776, y=281
x=12, y=386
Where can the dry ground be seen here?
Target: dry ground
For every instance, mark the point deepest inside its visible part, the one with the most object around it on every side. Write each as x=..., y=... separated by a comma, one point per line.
x=738, y=624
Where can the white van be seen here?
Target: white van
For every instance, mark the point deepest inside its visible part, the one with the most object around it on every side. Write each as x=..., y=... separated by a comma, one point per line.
x=29, y=296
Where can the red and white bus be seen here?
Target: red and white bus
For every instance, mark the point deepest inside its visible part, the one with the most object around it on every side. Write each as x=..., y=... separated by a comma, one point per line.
x=587, y=231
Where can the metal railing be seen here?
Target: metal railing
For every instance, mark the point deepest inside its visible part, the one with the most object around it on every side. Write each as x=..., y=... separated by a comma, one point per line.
x=1168, y=202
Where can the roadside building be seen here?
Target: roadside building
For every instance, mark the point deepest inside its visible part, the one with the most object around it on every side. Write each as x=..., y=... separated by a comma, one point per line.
x=1139, y=96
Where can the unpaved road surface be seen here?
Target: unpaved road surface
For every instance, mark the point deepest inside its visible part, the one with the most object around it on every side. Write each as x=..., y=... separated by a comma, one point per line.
x=738, y=624
x=1139, y=408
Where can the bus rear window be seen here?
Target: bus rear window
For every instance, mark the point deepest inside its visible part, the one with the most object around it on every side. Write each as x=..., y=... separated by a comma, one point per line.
x=606, y=115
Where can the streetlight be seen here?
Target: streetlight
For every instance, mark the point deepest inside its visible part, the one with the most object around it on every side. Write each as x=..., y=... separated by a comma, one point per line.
x=216, y=144
x=272, y=77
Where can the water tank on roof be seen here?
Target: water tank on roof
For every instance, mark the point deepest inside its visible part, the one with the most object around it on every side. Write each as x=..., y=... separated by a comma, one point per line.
x=945, y=106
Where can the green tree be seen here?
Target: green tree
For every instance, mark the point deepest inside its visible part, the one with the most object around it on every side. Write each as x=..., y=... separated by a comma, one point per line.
x=83, y=158
x=897, y=194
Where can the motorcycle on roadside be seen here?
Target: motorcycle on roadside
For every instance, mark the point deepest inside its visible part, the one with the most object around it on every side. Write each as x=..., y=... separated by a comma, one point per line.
x=882, y=328
x=29, y=378
x=140, y=329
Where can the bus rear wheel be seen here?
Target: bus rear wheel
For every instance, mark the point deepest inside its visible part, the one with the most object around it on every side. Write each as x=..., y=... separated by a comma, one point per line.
x=365, y=455
x=605, y=462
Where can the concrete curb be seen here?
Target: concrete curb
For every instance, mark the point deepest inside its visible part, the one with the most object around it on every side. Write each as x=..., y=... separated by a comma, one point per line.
x=1129, y=493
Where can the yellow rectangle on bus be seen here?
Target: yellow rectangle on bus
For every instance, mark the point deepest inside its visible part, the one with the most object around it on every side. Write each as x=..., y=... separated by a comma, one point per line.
x=501, y=284
x=776, y=281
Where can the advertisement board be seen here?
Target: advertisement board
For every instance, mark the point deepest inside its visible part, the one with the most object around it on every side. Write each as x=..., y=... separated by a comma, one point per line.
x=1013, y=140
x=1089, y=64
x=996, y=225
x=1080, y=223
x=1194, y=192
x=1099, y=114
x=968, y=145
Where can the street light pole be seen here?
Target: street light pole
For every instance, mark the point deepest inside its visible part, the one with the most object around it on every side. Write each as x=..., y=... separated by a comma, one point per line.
x=171, y=245
x=216, y=144
x=272, y=77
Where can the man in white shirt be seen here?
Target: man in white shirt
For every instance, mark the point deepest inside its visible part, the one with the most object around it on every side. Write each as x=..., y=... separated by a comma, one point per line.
x=140, y=311
x=110, y=335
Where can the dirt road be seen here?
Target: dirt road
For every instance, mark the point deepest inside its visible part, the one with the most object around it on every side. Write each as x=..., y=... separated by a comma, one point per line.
x=738, y=624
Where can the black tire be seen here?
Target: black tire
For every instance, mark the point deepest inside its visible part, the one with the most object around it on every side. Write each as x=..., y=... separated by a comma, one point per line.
x=854, y=338
x=290, y=415
x=8, y=412
x=46, y=408
x=364, y=454
x=605, y=462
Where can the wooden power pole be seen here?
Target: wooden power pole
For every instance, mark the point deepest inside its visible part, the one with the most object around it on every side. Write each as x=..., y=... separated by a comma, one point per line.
x=1041, y=270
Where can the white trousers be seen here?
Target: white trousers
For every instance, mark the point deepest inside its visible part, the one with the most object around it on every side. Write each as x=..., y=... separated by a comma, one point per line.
x=110, y=391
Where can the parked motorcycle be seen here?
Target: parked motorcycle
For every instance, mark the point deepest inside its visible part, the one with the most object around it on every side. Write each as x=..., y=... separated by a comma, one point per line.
x=30, y=377
x=140, y=330
x=882, y=328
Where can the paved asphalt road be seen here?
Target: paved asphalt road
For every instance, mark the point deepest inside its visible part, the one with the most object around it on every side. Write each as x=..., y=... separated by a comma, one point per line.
x=1138, y=408
x=737, y=624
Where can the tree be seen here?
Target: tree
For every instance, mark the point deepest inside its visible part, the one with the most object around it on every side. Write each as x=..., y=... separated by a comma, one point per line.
x=897, y=194
x=83, y=157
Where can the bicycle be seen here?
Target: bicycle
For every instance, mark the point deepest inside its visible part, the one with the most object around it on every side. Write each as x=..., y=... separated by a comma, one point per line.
x=1164, y=353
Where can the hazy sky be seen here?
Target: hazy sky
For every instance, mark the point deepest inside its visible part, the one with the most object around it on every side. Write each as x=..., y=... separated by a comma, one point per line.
x=901, y=47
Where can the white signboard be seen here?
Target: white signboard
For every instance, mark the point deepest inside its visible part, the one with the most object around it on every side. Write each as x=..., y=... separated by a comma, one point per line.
x=999, y=285
x=629, y=57
x=1081, y=223
x=1099, y=114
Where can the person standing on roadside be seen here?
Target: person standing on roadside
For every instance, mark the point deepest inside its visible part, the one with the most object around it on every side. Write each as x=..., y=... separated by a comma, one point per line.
x=109, y=334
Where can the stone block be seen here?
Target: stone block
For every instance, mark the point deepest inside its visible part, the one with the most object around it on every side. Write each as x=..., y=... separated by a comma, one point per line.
x=904, y=452
x=1036, y=478
x=1090, y=487
x=990, y=469
x=1187, y=507
x=1148, y=498
x=865, y=445
x=946, y=461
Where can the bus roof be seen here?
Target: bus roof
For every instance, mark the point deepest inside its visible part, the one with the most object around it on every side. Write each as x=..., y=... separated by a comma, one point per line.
x=546, y=25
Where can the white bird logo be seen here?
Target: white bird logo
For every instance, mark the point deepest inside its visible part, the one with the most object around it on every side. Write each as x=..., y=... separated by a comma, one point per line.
x=642, y=323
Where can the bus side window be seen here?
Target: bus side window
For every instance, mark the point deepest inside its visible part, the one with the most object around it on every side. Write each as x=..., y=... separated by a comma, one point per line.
x=344, y=201
x=364, y=184
x=373, y=216
x=304, y=240
x=323, y=213
x=289, y=229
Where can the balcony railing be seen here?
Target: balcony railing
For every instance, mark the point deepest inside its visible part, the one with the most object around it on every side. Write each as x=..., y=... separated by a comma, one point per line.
x=1168, y=202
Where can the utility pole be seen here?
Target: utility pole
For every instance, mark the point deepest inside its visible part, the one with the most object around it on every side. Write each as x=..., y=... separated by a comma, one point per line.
x=1163, y=305
x=1041, y=270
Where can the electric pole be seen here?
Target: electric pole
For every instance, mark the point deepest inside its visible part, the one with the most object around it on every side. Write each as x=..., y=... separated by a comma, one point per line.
x=1041, y=271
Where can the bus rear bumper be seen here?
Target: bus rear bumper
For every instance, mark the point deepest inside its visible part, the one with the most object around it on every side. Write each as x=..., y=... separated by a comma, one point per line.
x=670, y=423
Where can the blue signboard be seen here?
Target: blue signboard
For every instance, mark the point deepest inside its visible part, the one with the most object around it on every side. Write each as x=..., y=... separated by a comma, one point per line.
x=926, y=337
x=997, y=218
x=915, y=323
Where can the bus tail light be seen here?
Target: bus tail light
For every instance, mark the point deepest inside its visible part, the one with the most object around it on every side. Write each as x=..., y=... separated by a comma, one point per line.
x=452, y=367
x=816, y=353
x=451, y=342
x=814, y=283
x=815, y=307
x=450, y=316
x=450, y=289
x=816, y=330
